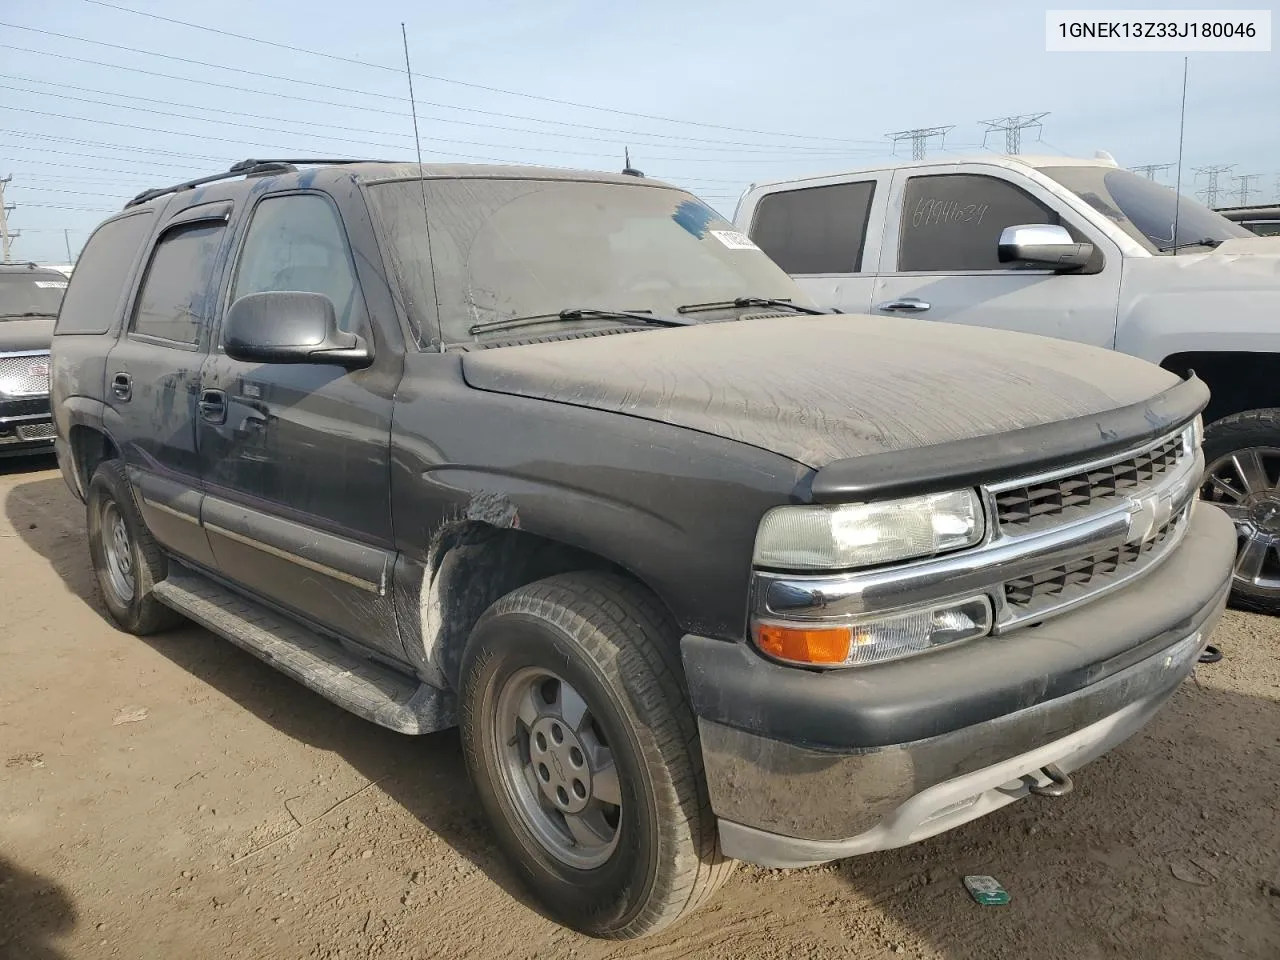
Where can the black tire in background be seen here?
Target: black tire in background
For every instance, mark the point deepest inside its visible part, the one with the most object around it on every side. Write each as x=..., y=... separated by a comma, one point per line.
x=1242, y=476
x=126, y=558
x=608, y=641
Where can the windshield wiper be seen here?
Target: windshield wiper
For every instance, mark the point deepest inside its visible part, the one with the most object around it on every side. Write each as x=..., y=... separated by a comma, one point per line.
x=779, y=303
x=1206, y=242
x=29, y=313
x=579, y=313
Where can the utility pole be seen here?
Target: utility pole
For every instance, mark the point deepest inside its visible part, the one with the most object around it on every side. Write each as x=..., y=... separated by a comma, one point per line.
x=66, y=237
x=1013, y=127
x=6, y=237
x=1211, y=188
x=1246, y=186
x=1149, y=170
x=919, y=138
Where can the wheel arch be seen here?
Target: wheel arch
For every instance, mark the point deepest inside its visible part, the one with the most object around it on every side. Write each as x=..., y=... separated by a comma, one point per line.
x=1237, y=380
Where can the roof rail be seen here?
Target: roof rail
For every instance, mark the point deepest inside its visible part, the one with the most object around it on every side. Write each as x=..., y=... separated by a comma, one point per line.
x=245, y=168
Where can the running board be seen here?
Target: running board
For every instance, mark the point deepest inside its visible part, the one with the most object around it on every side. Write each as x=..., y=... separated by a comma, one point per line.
x=367, y=689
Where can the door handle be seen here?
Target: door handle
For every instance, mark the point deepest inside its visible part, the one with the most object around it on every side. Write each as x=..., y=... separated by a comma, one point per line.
x=122, y=386
x=904, y=305
x=213, y=406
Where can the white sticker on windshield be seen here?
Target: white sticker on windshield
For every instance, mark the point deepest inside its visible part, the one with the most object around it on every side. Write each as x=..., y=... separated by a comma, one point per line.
x=734, y=240
x=55, y=284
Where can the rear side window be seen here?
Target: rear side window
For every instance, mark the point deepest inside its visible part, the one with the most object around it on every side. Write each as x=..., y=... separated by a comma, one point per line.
x=817, y=229
x=952, y=222
x=101, y=274
x=173, y=303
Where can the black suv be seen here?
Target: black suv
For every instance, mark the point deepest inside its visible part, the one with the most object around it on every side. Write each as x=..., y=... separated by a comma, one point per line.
x=702, y=571
x=29, y=300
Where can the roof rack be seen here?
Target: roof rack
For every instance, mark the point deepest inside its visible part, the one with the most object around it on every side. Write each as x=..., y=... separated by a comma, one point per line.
x=245, y=168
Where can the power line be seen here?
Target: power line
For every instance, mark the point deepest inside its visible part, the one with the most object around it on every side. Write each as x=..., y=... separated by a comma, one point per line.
x=1211, y=174
x=385, y=96
x=463, y=83
x=631, y=134
x=58, y=138
x=919, y=137
x=384, y=133
x=1013, y=127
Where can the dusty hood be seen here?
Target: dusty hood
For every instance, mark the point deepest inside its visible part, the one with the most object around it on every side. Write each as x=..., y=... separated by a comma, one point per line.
x=822, y=388
x=27, y=333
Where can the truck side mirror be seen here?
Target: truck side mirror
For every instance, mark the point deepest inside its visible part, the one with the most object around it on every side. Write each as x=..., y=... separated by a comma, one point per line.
x=1044, y=245
x=287, y=326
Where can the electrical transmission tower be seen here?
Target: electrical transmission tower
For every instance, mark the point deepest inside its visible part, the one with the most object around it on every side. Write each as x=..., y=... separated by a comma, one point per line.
x=1245, y=181
x=1013, y=127
x=919, y=138
x=6, y=236
x=1211, y=186
x=1149, y=170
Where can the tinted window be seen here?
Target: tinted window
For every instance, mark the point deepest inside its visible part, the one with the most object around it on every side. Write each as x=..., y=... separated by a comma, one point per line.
x=297, y=243
x=953, y=222
x=817, y=229
x=173, y=303
x=1143, y=208
x=31, y=293
x=520, y=248
x=103, y=271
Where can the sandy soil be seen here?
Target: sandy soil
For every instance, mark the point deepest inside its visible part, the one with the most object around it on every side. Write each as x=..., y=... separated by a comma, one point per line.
x=173, y=797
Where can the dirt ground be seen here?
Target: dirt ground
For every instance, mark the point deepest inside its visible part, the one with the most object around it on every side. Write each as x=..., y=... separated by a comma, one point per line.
x=173, y=797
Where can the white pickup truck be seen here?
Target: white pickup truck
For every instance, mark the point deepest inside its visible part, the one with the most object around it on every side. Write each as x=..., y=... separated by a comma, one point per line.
x=1074, y=249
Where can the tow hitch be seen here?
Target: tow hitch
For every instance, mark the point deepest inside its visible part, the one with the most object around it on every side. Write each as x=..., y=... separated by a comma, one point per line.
x=1059, y=784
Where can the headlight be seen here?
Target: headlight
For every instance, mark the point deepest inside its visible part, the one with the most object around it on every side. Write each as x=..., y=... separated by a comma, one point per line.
x=849, y=535
x=878, y=638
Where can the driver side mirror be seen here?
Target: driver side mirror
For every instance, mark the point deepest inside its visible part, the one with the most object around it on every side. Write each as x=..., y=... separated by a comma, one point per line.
x=1043, y=245
x=286, y=326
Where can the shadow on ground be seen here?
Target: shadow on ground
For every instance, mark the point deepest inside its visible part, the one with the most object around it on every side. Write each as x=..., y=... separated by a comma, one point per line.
x=1102, y=873
x=33, y=911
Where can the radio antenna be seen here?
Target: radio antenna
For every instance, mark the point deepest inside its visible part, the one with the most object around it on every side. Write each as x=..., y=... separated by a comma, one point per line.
x=1182, y=126
x=422, y=183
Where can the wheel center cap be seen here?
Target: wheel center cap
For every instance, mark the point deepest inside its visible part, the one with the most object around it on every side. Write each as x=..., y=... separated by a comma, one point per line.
x=560, y=764
x=1264, y=511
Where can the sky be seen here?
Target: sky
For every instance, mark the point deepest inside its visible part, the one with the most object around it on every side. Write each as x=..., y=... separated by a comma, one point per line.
x=98, y=103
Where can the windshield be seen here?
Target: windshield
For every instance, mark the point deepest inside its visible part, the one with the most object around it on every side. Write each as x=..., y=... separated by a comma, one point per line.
x=31, y=293
x=523, y=248
x=1143, y=208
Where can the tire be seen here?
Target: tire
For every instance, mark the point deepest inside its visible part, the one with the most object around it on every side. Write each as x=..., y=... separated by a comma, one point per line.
x=614, y=645
x=112, y=515
x=1249, y=444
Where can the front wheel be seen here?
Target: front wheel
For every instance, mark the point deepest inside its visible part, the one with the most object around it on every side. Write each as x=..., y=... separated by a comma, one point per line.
x=583, y=748
x=1243, y=478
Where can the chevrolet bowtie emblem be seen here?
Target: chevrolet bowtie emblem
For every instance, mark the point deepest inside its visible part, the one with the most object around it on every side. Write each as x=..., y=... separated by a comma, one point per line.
x=1147, y=515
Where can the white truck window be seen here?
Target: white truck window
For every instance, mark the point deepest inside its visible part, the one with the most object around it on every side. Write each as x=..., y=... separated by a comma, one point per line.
x=952, y=222
x=817, y=229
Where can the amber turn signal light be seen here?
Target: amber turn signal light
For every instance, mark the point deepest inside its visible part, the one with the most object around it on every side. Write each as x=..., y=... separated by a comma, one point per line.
x=817, y=645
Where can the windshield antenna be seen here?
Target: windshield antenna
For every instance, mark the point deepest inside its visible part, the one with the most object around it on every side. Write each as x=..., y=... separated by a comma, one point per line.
x=422, y=183
x=1182, y=125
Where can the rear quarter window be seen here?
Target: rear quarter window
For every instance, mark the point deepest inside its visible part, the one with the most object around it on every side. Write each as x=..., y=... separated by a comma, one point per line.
x=815, y=230
x=102, y=274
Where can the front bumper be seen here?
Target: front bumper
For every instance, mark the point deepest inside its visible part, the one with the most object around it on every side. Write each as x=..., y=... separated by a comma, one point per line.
x=26, y=426
x=808, y=767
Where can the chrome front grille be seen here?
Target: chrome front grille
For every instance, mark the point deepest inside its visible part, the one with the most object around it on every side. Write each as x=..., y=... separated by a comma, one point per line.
x=1051, y=587
x=24, y=374
x=1043, y=503
x=37, y=431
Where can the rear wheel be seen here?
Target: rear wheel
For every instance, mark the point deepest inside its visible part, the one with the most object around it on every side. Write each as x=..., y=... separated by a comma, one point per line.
x=126, y=558
x=580, y=740
x=1243, y=479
